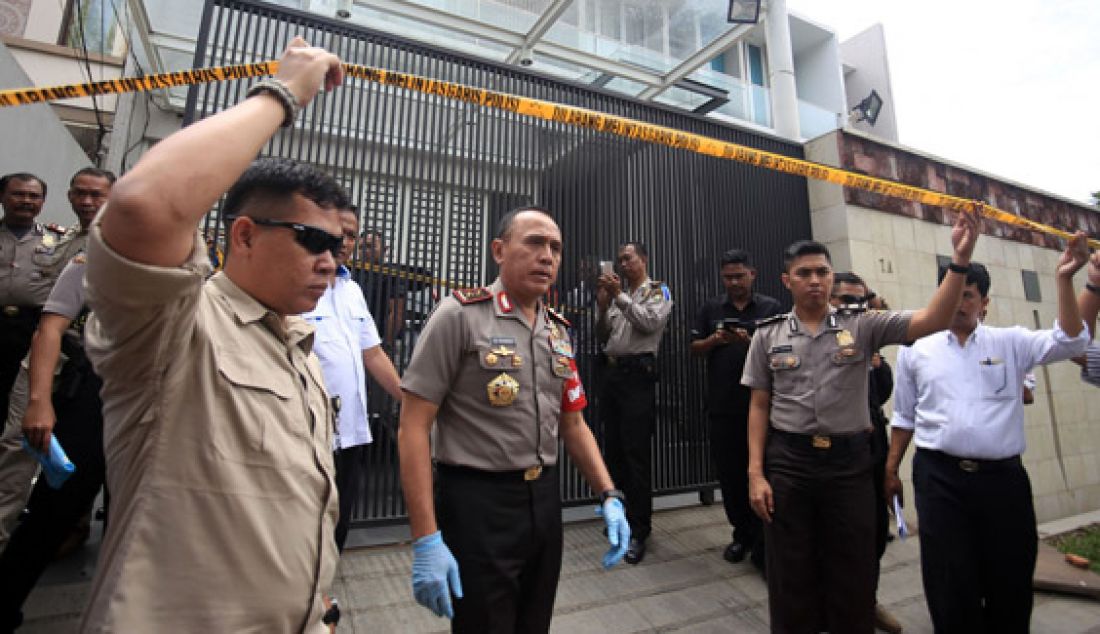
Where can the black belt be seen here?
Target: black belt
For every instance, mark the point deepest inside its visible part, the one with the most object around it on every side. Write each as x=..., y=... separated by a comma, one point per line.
x=20, y=312
x=822, y=441
x=629, y=361
x=972, y=465
x=523, y=475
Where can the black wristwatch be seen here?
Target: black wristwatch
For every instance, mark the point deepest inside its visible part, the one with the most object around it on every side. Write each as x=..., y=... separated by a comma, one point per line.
x=958, y=268
x=612, y=493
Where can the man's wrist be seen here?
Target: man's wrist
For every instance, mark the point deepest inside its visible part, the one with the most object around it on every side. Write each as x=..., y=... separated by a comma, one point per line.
x=611, y=494
x=961, y=268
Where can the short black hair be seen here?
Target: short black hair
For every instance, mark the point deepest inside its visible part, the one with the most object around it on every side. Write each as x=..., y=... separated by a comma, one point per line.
x=505, y=223
x=804, y=247
x=22, y=177
x=94, y=172
x=848, y=277
x=277, y=179
x=737, y=256
x=977, y=274
x=639, y=248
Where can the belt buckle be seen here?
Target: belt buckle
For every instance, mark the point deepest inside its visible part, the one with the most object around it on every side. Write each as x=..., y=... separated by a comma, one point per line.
x=532, y=473
x=968, y=466
x=822, y=442
x=11, y=311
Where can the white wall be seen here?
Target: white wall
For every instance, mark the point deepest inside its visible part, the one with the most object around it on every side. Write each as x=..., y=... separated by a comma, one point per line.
x=865, y=54
x=35, y=141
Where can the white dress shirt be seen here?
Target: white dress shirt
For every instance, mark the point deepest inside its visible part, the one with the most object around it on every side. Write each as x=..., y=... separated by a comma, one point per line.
x=965, y=400
x=345, y=328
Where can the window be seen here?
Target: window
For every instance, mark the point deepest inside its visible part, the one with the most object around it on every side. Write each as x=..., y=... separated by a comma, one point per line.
x=90, y=25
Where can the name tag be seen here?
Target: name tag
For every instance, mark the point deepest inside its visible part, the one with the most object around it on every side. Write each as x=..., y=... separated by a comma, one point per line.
x=781, y=349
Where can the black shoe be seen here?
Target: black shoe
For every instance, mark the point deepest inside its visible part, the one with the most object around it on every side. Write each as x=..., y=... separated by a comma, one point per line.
x=735, y=552
x=636, y=552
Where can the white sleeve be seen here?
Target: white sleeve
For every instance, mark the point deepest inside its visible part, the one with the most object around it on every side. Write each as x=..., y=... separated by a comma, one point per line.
x=905, y=391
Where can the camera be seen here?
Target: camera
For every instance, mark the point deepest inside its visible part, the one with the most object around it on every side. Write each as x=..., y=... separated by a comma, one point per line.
x=526, y=57
x=733, y=323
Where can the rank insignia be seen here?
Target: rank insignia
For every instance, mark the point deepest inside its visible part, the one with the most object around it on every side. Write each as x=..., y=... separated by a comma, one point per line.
x=472, y=295
x=844, y=339
x=491, y=358
x=517, y=361
x=48, y=241
x=502, y=390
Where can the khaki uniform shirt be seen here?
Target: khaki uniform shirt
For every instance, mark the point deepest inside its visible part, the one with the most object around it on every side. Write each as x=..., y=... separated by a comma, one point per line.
x=29, y=266
x=818, y=384
x=218, y=437
x=634, y=322
x=500, y=384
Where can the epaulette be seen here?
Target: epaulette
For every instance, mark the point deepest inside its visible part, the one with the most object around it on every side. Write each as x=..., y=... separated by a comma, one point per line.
x=56, y=228
x=558, y=317
x=774, y=319
x=472, y=295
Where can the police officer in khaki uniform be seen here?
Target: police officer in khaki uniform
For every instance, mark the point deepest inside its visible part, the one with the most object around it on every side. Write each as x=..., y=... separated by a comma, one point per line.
x=809, y=439
x=630, y=322
x=29, y=265
x=88, y=191
x=494, y=371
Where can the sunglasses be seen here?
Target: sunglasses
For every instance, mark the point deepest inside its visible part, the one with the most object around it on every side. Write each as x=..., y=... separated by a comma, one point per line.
x=315, y=240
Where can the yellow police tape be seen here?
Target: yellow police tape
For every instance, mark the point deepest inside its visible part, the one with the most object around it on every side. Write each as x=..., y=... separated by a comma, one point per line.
x=548, y=111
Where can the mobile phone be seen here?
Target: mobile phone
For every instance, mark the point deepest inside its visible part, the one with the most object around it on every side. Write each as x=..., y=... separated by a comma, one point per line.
x=606, y=267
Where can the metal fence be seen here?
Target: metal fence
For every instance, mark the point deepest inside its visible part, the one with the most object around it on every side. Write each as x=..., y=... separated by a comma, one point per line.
x=433, y=176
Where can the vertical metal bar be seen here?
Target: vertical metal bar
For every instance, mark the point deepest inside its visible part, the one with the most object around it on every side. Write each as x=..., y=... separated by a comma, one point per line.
x=201, y=43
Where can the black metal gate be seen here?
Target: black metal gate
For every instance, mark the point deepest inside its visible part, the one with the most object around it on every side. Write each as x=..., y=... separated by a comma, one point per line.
x=433, y=176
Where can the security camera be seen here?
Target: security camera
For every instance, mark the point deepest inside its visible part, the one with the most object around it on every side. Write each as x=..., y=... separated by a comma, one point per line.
x=343, y=11
x=526, y=58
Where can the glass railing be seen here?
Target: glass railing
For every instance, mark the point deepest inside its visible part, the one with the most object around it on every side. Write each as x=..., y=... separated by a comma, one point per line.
x=813, y=120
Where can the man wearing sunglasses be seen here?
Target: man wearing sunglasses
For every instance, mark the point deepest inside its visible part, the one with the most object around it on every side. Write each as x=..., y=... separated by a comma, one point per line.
x=958, y=393
x=217, y=427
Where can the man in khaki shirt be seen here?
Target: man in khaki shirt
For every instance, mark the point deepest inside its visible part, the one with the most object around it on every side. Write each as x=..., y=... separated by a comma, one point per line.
x=217, y=427
x=494, y=374
x=630, y=322
x=810, y=442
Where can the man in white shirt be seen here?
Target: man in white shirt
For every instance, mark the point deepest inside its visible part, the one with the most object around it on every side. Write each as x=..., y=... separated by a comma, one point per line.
x=348, y=344
x=958, y=391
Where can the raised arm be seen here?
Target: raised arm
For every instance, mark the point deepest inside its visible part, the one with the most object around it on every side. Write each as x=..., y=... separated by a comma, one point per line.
x=153, y=210
x=936, y=316
x=1088, y=302
x=1074, y=257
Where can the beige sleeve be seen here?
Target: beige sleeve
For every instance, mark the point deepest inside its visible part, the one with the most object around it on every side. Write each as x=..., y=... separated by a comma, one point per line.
x=438, y=354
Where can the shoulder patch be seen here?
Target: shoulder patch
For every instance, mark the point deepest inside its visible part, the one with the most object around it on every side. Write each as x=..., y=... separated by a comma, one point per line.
x=558, y=317
x=472, y=295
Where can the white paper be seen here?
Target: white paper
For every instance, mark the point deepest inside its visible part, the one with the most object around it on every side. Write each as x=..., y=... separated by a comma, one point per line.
x=903, y=530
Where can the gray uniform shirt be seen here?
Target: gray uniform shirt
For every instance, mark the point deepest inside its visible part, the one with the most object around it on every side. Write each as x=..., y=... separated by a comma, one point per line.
x=818, y=384
x=29, y=265
x=466, y=347
x=67, y=297
x=634, y=322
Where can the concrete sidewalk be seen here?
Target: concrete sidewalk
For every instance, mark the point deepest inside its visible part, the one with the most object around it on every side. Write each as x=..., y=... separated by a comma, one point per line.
x=683, y=585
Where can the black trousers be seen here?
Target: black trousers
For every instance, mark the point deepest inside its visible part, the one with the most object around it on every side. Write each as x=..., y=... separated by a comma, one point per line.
x=729, y=450
x=882, y=515
x=820, y=559
x=978, y=544
x=506, y=535
x=350, y=473
x=15, y=340
x=628, y=409
x=52, y=513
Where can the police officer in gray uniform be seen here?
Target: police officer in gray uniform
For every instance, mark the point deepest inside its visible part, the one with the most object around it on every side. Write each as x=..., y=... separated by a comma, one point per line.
x=494, y=371
x=809, y=438
x=29, y=265
x=630, y=323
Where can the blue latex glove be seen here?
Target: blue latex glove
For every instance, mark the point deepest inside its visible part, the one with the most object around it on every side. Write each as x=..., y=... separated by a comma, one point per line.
x=435, y=575
x=618, y=530
x=55, y=464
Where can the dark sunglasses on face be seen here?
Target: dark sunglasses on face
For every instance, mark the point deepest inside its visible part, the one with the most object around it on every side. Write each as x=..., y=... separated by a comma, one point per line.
x=315, y=240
